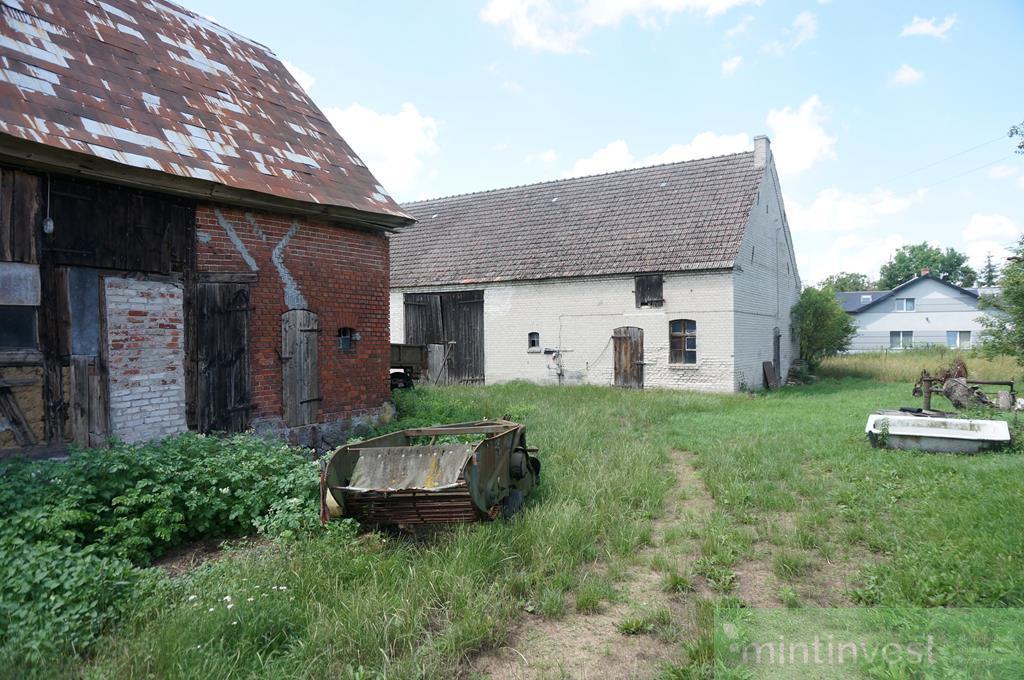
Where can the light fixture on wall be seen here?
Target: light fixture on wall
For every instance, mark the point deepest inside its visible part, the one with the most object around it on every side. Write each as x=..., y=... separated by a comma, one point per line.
x=47, y=221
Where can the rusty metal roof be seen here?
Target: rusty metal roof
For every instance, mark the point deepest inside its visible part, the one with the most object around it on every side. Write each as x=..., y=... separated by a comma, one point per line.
x=153, y=86
x=677, y=217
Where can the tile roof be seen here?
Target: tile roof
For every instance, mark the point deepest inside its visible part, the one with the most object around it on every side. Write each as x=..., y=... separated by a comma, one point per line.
x=676, y=217
x=149, y=84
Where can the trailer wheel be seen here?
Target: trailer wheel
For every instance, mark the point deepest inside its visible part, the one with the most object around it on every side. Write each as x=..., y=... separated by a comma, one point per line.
x=519, y=465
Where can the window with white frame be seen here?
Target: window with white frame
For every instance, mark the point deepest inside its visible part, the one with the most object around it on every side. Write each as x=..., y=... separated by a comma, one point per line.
x=901, y=339
x=682, y=341
x=865, y=299
x=958, y=339
x=905, y=305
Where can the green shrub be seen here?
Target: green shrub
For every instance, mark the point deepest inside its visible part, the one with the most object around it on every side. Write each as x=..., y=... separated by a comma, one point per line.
x=78, y=532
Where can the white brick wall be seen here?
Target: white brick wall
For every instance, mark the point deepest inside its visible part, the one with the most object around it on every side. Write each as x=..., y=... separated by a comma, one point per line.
x=578, y=317
x=767, y=285
x=145, y=355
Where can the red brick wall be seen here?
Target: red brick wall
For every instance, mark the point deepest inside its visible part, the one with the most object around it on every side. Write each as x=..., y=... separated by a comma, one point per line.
x=343, y=276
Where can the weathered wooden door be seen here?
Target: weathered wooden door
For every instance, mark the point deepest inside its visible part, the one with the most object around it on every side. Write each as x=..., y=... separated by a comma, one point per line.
x=777, y=353
x=628, y=346
x=223, y=395
x=300, y=330
x=454, y=320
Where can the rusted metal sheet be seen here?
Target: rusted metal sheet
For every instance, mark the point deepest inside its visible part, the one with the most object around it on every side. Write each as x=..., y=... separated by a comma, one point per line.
x=422, y=468
x=395, y=480
x=153, y=86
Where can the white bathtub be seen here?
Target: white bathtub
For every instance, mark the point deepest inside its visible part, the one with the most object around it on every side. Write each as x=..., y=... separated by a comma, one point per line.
x=940, y=435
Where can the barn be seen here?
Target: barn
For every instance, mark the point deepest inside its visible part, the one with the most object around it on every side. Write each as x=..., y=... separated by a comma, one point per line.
x=677, y=276
x=185, y=241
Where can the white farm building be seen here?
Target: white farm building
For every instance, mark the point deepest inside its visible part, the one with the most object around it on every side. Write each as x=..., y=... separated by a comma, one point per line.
x=675, y=276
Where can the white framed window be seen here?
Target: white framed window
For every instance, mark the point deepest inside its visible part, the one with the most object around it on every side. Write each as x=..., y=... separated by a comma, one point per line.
x=958, y=339
x=865, y=299
x=905, y=305
x=901, y=339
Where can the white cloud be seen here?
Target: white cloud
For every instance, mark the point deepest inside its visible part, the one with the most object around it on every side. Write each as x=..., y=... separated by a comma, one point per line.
x=304, y=79
x=1002, y=172
x=905, y=75
x=511, y=86
x=806, y=27
x=849, y=253
x=740, y=27
x=834, y=210
x=547, y=156
x=803, y=29
x=731, y=65
x=799, y=138
x=617, y=155
x=552, y=26
x=928, y=27
x=989, y=234
x=391, y=144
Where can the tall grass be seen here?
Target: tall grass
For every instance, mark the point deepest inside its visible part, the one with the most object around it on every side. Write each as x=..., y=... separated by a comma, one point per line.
x=906, y=365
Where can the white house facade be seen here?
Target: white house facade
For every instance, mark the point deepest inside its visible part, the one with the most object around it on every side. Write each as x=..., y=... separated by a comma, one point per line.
x=675, y=276
x=923, y=311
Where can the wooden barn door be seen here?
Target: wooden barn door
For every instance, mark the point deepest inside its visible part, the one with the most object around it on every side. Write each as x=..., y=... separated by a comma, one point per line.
x=455, y=322
x=300, y=330
x=223, y=397
x=628, y=346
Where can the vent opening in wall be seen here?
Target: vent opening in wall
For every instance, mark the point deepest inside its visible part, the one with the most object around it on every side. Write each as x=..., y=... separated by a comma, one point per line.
x=347, y=338
x=533, y=342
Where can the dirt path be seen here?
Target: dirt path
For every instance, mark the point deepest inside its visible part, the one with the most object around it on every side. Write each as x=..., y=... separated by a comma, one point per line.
x=591, y=645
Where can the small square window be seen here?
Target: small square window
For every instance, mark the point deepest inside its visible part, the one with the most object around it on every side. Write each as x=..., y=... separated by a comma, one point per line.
x=865, y=299
x=533, y=341
x=905, y=305
x=17, y=327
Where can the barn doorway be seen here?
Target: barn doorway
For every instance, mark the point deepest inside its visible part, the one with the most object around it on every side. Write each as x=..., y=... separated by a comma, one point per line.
x=777, y=353
x=628, y=347
x=223, y=398
x=446, y=318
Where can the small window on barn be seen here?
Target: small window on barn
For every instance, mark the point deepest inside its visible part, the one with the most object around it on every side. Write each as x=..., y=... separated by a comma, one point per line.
x=649, y=290
x=347, y=338
x=533, y=342
x=17, y=327
x=682, y=341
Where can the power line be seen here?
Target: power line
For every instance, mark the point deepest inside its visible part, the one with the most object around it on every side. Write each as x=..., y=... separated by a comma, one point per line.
x=943, y=160
x=967, y=172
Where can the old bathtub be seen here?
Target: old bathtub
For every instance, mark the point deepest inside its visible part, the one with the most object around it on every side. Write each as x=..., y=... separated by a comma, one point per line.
x=938, y=435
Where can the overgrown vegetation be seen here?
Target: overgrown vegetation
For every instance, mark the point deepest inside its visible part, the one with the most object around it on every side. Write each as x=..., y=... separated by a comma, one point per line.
x=905, y=366
x=913, y=529
x=821, y=324
x=76, y=533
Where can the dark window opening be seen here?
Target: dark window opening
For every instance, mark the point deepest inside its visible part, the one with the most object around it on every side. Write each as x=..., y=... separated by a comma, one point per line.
x=347, y=338
x=682, y=341
x=533, y=341
x=649, y=290
x=17, y=327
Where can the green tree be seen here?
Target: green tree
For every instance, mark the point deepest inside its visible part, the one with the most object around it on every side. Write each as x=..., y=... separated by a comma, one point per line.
x=949, y=265
x=1004, y=327
x=989, y=273
x=824, y=328
x=846, y=281
x=1017, y=131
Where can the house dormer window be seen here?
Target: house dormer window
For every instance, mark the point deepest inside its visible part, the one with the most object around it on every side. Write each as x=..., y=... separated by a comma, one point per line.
x=865, y=299
x=905, y=305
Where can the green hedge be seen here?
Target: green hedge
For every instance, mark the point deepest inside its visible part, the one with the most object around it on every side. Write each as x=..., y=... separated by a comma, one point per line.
x=77, y=534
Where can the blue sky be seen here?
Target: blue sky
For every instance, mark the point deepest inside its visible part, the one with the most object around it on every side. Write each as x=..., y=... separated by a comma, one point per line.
x=887, y=119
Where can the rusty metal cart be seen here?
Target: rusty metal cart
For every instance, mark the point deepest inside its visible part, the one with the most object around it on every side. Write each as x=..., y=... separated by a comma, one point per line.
x=464, y=472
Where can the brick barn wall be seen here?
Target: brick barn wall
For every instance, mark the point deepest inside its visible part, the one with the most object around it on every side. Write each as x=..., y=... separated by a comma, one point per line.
x=145, y=358
x=341, y=275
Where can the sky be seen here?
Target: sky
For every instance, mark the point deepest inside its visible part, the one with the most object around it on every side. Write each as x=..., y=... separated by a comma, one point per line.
x=888, y=120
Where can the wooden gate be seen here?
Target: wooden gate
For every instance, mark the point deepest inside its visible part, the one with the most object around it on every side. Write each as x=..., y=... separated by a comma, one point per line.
x=444, y=318
x=223, y=394
x=300, y=330
x=628, y=345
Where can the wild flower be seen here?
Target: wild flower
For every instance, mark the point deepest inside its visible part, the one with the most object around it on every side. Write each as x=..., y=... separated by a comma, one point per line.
x=231, y=605
x=192, y=597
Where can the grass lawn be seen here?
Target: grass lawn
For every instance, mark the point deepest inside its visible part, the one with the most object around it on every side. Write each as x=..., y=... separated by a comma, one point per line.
x=799, y=497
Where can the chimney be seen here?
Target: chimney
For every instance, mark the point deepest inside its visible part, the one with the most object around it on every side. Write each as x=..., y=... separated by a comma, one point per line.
x=926, y=271
x=761, y=149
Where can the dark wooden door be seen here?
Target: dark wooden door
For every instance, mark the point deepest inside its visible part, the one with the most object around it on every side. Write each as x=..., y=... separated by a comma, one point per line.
x=223, y=395
x=628, y=345
x=456, y=321
x=777, y=353
x=300, y=330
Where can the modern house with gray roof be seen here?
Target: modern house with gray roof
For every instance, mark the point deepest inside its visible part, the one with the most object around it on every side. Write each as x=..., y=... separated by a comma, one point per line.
x=923, y=311
x=679, y=276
